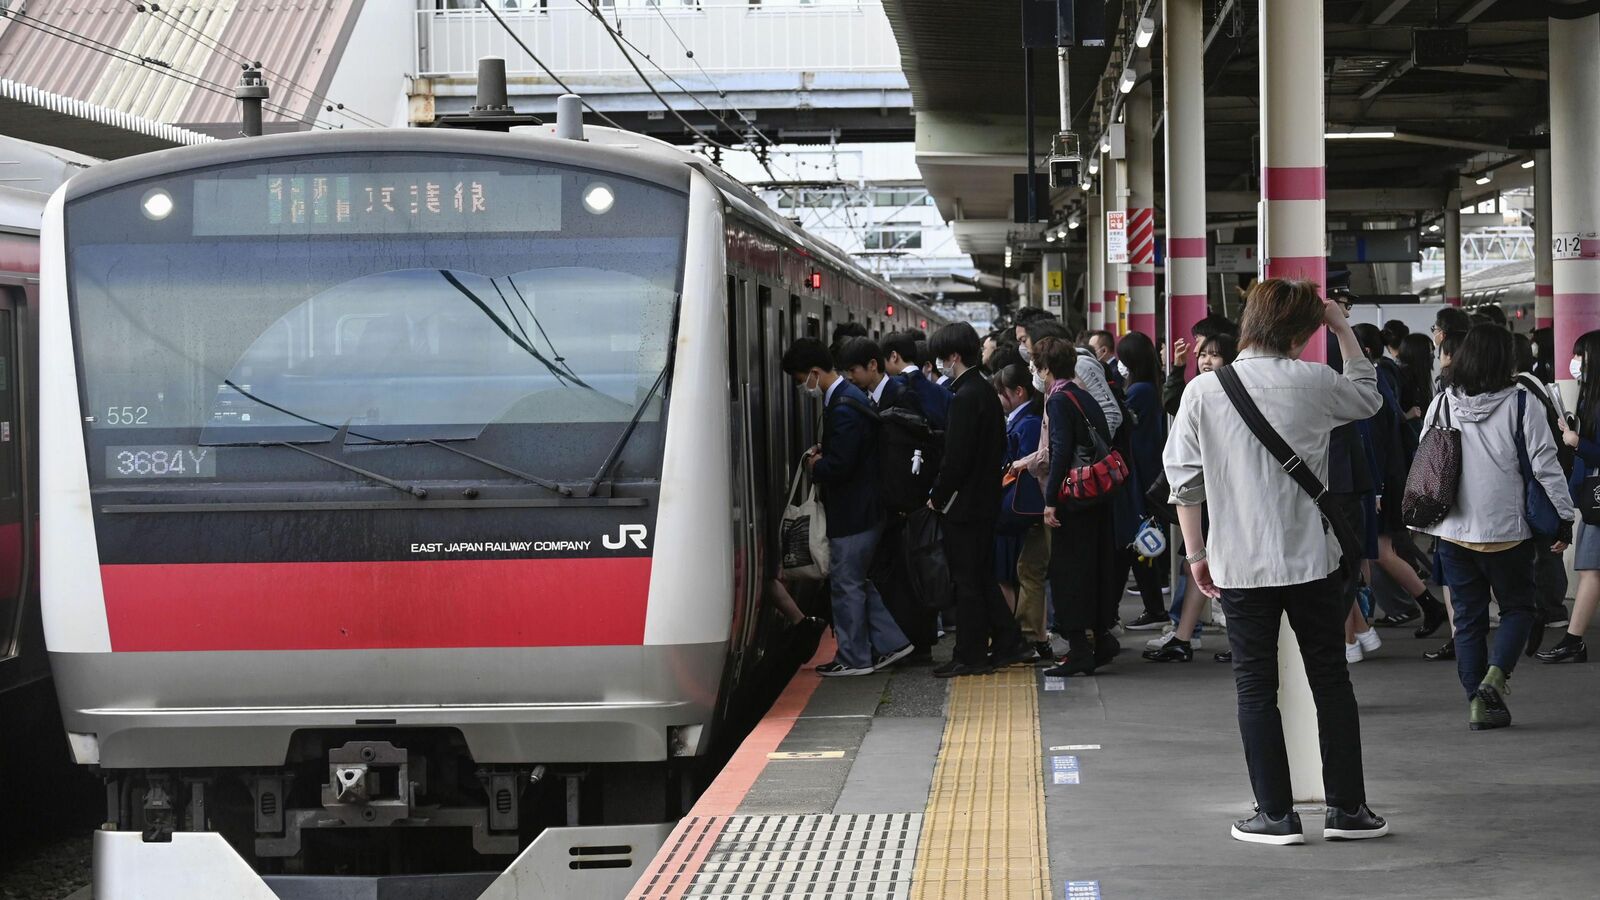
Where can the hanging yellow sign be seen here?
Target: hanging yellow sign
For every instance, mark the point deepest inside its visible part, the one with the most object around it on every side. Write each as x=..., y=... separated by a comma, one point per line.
x=1053, y=280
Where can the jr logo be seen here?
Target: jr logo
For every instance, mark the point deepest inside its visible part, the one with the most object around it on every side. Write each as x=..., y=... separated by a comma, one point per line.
x=636, y=533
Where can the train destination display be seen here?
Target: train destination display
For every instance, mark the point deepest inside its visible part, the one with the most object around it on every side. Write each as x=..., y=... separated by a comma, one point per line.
x=376, y=203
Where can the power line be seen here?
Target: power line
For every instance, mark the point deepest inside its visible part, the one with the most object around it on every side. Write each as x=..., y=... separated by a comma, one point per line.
x=154, y=65
x=540, y=63
x=688, y=52
x=217, y=45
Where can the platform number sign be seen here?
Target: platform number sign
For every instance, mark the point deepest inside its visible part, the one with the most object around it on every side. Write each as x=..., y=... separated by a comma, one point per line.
x=1569, y=245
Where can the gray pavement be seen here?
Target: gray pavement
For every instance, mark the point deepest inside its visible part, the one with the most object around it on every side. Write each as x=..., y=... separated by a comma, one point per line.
x=1505, y=814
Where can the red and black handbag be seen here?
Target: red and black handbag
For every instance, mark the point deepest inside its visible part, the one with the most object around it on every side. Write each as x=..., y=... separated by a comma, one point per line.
x=1097, y=472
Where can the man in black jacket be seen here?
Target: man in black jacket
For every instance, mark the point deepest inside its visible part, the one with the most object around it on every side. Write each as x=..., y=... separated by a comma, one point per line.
x=967, y=491
x=845, y=466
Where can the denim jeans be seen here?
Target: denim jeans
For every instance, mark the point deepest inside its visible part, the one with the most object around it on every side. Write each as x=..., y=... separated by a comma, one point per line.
x=1472, y=576
x=1316, y=613
x=861, y=623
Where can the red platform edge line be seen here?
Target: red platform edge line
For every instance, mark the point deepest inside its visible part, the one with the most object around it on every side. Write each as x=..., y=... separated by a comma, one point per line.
x=722, y=799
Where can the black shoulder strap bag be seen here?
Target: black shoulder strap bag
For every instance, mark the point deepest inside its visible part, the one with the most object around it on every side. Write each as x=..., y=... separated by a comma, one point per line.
x=1351, y=546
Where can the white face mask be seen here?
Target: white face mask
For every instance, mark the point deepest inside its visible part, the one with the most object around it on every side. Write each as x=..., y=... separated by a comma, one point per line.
x=1026, y=351
x=814, y=390
x=939, y=365
x=1576, y=368
x=1122, y=369
x=1039, y=383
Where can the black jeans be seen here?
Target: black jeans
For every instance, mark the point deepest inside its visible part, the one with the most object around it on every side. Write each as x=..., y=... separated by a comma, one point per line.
x=1550, y=574
x=1085, y=584
x=982, y=618
x=1471, y=576
x=1316, y=613
x=888, y=573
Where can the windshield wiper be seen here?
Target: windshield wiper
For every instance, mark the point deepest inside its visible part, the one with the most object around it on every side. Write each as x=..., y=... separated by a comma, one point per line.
x=604, y=472
x=516, y=473
x=420, y=493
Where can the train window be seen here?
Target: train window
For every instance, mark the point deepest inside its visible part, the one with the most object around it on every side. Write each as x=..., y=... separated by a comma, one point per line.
x=827, y=322
x=814, y=327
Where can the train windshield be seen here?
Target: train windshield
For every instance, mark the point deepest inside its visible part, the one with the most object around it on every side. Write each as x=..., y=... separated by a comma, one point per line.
x=378, y=298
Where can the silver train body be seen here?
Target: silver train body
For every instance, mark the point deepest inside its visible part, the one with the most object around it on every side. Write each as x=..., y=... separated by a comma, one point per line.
x=414, y=481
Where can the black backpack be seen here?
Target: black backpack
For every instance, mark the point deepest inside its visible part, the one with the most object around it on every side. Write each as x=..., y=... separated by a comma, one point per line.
x=909, y=451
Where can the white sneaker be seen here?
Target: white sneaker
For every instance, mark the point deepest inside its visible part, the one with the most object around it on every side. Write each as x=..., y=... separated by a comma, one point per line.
x=1369, y=641
x=1170, y=635
x=1352, y=653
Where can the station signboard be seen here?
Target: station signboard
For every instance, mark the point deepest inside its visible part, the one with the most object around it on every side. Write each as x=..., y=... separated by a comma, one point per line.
x=1117, y=235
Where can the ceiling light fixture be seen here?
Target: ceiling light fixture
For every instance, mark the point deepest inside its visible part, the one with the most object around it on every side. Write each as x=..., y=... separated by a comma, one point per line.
x=1380, y=134
x=1129, y=79
x=1528, y=164
x=1145, y=31
x=1485, y=178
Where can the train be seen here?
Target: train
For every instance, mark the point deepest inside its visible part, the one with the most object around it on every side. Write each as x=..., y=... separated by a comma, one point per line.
x=409, y=496
x=1509, y=286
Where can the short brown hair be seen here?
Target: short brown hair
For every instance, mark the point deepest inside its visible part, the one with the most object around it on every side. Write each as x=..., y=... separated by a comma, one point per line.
x=1280, y=314
x=1056, y=356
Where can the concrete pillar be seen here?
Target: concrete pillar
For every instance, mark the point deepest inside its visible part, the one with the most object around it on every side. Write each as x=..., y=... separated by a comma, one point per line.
x=1574, y=182
x=1139, y=116
x=1452, y=248
x=1111, y=283
x=1186, y=168
x=1293, y=184
x=1094, y=297
x=1293, y=241
x=1543, y=294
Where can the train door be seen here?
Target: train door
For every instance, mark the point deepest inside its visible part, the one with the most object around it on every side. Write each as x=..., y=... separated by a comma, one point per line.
x=747, y=514
x=13, y=591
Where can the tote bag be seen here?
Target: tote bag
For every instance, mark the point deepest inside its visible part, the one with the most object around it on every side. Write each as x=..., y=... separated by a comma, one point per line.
x=1435, y=475
x=805, y=534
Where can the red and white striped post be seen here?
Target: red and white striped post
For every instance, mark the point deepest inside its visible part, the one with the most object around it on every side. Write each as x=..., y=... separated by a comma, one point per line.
x=1293, y=232
x=1186, y=167
x=1452, y=248
x=1543, y=293
x=1140, y=120
x=1094, y=285
x=1574, y=183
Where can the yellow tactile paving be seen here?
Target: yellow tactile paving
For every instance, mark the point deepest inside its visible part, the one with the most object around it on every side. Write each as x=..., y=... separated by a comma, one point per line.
x=983, y=835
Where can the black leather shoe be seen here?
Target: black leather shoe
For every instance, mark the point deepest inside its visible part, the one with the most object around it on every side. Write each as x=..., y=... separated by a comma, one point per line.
x=1106, y=648
x=1398, y=619
x=1359, y=825
x=1444, y=653
x=1264, y=829
x=1577, y=652
x=1070, y=665
x=1172, y=651
x=955, y=669
x=1022, y=653
x=1432, y=618
x=1148, y=621
x=1225, y=656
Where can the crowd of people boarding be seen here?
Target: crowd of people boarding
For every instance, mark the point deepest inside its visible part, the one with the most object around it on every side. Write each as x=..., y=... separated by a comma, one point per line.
x=1411, y=481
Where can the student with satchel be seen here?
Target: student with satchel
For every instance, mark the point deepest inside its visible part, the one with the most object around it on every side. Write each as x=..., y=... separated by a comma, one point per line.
x=1021, y=542
x=1584, y=438
x=1084, y=477
x=1250, y=442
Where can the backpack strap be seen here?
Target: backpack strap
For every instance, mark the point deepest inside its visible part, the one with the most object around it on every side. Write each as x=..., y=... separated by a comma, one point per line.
x=871, y=413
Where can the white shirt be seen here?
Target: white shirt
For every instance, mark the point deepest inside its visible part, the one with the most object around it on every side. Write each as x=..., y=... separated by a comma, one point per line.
x=827, y=396
x=877, y=393
x=1265, y=530
x=1012, y=416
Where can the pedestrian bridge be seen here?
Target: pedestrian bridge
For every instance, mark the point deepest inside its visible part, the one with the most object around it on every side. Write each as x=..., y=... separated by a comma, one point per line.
x=797, y=70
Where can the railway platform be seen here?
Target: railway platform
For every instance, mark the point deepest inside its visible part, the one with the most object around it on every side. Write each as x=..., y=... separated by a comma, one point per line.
x=1012, y=785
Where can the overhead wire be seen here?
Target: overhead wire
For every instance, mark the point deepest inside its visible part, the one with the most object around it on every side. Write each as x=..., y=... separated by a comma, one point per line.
x=280, y=77
x=156, y=66
x=722, y=94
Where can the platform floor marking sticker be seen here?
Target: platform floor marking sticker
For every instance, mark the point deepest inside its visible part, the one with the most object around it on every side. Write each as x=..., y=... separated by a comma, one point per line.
x=1055, y=683
x=1075, y=747
x=806, y=754
x=1064, y=770
x=1083, y=890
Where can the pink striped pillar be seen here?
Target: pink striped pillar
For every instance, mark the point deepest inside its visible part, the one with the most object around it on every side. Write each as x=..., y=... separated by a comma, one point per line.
x=1293, y=232
x=1184, y=79
x=1574, y=183
x=1543, y=293
x=1139, y=120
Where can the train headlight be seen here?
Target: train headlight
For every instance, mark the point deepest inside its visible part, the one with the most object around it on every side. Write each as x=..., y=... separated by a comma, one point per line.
x=598, y=198
x=157, y=204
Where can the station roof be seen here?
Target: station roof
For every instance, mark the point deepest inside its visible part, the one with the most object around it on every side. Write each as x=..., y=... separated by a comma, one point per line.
x=177, y=62
x=963, y=60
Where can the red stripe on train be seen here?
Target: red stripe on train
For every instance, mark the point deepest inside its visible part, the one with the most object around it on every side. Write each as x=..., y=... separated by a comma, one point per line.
x=377, y=605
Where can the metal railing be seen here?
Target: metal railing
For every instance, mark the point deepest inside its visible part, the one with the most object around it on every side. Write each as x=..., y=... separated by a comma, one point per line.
x=727, y=36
